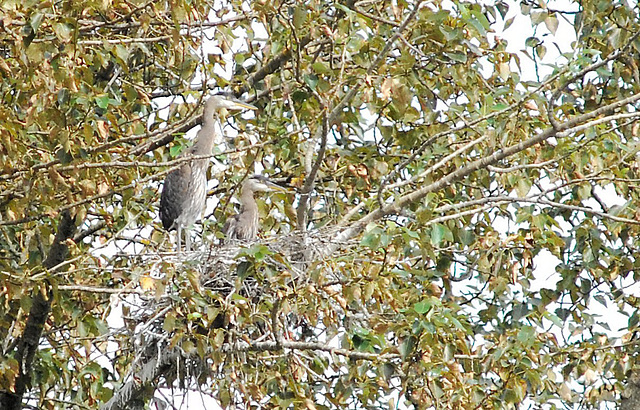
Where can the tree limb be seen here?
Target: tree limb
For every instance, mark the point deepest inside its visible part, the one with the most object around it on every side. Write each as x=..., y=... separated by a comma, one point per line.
x=27, y=345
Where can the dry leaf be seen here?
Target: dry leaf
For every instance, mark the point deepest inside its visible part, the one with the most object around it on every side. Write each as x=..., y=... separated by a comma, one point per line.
x=147, y=283
x=103, y=129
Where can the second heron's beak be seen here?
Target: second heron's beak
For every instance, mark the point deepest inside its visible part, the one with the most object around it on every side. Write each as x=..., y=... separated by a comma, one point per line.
x=236, y=104
x=275, y=187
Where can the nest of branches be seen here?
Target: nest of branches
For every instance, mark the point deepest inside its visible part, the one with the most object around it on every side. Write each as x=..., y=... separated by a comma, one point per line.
x=222, y=300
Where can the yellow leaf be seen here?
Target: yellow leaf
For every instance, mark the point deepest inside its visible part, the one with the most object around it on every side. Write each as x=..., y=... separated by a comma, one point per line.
x=147, y=283
x=194, y=280
x=565, y=392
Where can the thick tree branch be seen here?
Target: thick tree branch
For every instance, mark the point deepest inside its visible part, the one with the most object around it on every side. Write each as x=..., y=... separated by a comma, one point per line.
x=133, y=390
x=498, y=200
x=27, y=345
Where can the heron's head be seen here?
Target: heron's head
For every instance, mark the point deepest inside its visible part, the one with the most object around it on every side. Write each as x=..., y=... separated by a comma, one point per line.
x=221, y=104
x=260, y=183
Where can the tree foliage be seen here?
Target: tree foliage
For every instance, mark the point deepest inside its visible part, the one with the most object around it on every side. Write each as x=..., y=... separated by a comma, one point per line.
x=430, y=174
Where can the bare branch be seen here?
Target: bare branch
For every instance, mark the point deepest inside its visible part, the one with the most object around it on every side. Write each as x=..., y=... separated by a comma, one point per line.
x=274, y=346
x=88, y=25
x=499, y=200
x=311, y=177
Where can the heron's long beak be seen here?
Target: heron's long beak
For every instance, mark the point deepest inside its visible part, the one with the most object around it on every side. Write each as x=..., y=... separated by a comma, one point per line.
x=241, y=105
x=275, y=187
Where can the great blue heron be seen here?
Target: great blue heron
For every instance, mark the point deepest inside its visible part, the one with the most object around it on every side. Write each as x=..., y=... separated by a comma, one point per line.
x=185, y=189
x=244, y=225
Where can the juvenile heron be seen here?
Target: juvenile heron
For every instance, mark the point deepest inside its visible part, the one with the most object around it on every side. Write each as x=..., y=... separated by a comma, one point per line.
x=185, y=189
x=244, y=225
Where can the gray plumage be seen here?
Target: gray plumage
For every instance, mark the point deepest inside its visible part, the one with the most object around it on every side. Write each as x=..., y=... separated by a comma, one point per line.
x=184, y=192
x=244, y=225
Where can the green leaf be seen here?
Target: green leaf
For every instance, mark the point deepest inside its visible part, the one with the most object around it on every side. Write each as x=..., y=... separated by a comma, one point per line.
x=299, y=16
x=440, y=233
x=479, y=22
x=102, y=101
x=63, y=31
x=526, y=335
x=36, y=20
x=311, y=80
x=532, y=42
x=321, y=68
x=457, y=57
x=422, y=307
x=122, y=52
x=407, y=346
x=450, y=33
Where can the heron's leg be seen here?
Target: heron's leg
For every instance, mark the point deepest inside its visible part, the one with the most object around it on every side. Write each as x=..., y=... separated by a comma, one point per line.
x=187, y=238
x=179, y=231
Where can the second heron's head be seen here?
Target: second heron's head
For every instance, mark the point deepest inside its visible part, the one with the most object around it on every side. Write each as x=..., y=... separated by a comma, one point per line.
x=220, y=105
x=260, y=183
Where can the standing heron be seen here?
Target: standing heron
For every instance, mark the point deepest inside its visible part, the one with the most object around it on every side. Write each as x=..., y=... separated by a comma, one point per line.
x=185, y=189
x=244, y=225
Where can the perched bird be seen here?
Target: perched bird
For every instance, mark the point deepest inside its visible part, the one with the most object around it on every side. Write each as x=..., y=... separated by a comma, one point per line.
x=185, y=189
x=244, y=225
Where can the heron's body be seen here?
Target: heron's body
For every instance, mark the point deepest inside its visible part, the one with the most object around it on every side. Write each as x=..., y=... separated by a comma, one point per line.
x=184, y=193
x=244, y=225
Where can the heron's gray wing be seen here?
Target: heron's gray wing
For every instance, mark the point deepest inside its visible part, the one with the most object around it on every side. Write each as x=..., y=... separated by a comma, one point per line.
x=174, y=197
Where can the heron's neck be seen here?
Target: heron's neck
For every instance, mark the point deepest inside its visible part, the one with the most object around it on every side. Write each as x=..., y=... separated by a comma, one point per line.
x=248, y=201
x=208, y=136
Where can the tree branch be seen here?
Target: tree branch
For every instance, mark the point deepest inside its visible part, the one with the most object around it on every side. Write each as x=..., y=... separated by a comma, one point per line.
x=27, y=345
x=563, y=130
x=275, y=346
x=498, y=200
x=148, y=374
x=166, y=363
x=310, y=180
x=270, y=68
